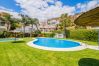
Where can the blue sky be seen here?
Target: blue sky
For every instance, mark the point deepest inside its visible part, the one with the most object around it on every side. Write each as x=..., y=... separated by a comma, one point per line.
x=11, y=4
x=73, y=2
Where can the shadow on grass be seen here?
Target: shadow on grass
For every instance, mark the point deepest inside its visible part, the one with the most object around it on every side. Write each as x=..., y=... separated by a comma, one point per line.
x=18, y=42
x=88, y=62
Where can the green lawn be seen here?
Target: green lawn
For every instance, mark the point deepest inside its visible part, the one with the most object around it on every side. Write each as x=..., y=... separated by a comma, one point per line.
x=87, y=42
x=19, y=54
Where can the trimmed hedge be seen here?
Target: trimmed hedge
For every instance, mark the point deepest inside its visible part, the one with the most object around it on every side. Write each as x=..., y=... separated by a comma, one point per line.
x=48, y=34
x=84, y=34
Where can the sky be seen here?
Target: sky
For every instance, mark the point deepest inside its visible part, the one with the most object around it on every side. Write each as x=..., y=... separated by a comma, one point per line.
x=46, y=9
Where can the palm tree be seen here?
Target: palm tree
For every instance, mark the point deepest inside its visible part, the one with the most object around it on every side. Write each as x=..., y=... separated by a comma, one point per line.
x=65, y=22
x=15, y=23
x=24, y=21
x=7, y=19
x=11, y=22
x=36, y=23
x=33, y=21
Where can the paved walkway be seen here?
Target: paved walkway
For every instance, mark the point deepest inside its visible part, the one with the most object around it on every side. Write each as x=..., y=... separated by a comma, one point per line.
x=93, y=47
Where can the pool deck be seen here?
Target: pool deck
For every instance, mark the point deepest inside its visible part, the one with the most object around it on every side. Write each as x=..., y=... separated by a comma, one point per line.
x=78, y=48
x=93, y=47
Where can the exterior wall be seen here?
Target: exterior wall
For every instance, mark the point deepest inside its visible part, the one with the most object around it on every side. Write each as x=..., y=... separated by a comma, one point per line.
x=3, y=26
x=28, y=29
x=89, y=27
x=47, y=29
x=73, y=17
x=48, y=26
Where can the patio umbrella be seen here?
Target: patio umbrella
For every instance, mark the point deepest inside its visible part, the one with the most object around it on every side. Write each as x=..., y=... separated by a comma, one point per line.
x=15, y=31
x=89, y=18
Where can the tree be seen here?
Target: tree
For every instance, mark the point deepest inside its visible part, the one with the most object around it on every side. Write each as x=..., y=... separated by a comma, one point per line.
x=15, y=23
x=25, y=21
x=33, y=22
x=7, y=19
x=36, y=22
x=64, y=22
x=11, y=22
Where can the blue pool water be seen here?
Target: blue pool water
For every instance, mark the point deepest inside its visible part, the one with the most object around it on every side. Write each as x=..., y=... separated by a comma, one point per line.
x=55, y=43
x=7, y=39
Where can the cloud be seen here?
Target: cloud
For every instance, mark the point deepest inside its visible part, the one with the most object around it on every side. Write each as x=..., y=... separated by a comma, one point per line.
x=47, y=9
x=44, y=9
x=88, y=6
x=13, y=13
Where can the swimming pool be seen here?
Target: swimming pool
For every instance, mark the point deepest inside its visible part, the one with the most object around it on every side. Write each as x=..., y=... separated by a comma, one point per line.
x=7, y=39
x=56, y=44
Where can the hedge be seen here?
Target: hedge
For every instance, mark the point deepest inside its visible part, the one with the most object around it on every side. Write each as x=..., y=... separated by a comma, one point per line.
x=48, y=34
x=84, y=34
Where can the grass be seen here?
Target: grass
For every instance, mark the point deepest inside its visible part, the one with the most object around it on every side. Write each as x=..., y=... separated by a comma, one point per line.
x=19, y=54
x=86, y=42
x=89, y=42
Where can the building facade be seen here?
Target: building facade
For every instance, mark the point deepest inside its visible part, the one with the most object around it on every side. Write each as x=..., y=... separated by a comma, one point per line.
x=3, y=26
x=48, y=26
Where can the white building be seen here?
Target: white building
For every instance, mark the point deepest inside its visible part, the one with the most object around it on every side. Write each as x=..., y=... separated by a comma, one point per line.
x=28, y=29
x=3, y=26
x=48, y=26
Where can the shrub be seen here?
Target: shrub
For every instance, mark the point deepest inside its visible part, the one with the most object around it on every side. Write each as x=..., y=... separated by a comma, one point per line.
x=48, y=34
x=84, y=34
x=4, y=34
x=37, y=33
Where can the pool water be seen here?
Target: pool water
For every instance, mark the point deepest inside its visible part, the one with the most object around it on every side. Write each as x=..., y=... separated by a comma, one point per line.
x=55, y=43
x=7, y=39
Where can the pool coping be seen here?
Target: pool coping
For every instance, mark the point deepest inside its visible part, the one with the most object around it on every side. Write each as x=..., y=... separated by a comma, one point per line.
x=78, y=48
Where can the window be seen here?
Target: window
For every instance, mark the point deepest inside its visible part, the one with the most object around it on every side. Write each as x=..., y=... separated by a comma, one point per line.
x=2, y=23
